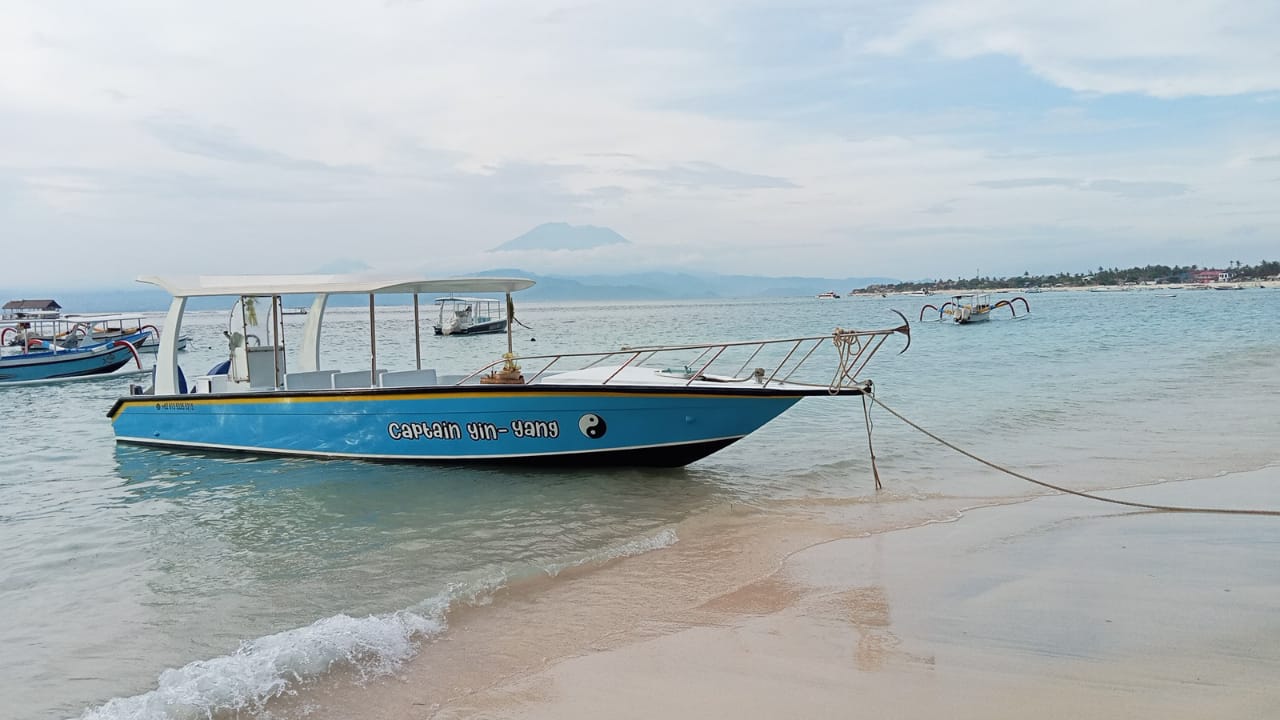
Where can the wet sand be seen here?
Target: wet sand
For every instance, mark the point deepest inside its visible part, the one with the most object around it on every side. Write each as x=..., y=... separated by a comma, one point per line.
x=1052, y=607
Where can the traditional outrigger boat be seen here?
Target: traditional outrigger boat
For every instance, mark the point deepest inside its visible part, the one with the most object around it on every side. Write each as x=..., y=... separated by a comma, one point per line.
x=651, y=405
x=25, y=356
x=974, y=308
x=72, y=331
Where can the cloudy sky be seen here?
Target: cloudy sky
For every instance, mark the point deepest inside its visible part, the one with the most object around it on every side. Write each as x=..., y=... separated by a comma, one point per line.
x=906, y=139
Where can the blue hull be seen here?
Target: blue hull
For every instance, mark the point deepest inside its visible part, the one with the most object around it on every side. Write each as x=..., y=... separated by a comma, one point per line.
x=558, y=425
x=63, y=363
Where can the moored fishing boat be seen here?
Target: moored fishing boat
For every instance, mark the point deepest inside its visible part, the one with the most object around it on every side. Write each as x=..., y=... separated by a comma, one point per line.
x=89, y=329
x=45, y=321
x=661, y=405
x=974, y=308
x=470, y=316
x=26, y=357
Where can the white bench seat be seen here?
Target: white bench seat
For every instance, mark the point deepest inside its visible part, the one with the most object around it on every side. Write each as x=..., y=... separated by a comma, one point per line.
x=355, y=378
x=408, y=378
x=314, y=380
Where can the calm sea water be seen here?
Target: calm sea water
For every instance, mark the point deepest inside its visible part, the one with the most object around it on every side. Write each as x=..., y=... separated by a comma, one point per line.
x=147, y=584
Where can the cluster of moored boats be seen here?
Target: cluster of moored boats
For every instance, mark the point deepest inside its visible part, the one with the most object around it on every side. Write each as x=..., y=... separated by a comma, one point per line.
x=654, y=405
x=39, y=344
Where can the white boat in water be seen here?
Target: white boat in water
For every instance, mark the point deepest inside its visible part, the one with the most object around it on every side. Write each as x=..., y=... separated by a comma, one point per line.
x=102, y=327
x=470, y=316
x=974, y=308
x=650, y=405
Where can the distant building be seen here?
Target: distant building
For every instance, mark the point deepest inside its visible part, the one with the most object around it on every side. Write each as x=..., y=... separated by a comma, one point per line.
x=17, y=309
x=1210, y=276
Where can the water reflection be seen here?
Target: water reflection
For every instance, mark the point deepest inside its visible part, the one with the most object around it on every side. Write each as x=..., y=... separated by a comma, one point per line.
x=330, y=523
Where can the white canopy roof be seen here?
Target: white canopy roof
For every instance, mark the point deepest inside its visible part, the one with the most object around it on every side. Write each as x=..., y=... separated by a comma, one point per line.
x=232, y=285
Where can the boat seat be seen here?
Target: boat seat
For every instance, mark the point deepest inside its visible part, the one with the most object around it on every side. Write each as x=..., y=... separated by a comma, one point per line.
x=408, y=378
x=210, y=384
x=455, y=379
x=314, y=380
x=355, y=378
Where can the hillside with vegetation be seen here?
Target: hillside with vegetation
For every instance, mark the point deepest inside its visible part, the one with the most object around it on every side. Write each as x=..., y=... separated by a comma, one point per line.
x=1146, y=275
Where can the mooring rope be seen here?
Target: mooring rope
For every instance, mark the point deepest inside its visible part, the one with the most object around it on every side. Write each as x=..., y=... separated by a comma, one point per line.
x=866, y=413
x=1058, y=488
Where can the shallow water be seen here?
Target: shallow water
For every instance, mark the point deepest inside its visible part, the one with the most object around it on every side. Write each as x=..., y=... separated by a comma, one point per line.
x=145, y=583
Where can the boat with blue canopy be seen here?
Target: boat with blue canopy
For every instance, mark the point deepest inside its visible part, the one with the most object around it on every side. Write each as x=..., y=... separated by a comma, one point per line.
x=650, y=405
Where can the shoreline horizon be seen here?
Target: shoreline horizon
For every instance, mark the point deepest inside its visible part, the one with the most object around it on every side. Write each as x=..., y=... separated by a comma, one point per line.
x=160, y=308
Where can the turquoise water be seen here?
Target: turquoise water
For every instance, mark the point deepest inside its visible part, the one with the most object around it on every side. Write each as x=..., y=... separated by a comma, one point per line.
x=144, y=583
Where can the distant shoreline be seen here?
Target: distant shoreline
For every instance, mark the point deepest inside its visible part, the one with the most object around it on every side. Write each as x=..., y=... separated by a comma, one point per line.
x=1187, y=287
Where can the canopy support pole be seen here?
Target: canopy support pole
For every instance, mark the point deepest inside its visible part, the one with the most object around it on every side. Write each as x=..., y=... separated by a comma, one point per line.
x=417, y=333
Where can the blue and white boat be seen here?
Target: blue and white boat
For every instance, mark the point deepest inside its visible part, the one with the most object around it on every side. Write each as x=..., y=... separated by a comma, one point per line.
x=27, y=358
x=651, y=405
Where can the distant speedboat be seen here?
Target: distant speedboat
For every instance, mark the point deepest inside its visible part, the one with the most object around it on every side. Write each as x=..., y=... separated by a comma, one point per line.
x=828, y=295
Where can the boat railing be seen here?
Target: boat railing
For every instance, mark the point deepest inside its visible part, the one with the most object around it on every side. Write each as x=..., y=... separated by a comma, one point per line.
x=854, y=349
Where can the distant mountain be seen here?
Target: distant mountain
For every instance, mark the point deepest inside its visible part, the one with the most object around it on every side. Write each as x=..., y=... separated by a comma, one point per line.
x=563, y=236
x=677, y=286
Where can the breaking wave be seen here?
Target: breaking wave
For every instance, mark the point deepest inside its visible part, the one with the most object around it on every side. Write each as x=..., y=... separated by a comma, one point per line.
x=278, y=665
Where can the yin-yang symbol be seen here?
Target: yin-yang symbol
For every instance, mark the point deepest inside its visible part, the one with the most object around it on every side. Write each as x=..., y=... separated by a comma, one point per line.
x=592, y=425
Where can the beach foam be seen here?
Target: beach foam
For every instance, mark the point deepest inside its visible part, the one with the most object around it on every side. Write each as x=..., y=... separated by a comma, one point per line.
x=273, y=666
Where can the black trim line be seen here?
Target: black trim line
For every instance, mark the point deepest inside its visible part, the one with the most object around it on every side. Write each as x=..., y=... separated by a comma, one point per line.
x=663, y=456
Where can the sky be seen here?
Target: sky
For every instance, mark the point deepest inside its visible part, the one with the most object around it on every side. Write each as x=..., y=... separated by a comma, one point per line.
x=912, y=139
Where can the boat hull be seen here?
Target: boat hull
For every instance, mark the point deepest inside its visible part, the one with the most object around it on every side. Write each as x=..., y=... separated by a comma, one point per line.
x=64, y=363
x=152, y=345
x=637, y=426
x=485, y=328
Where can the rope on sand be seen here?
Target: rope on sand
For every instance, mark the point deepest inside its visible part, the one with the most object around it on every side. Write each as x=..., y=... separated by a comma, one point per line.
x=1058, y=488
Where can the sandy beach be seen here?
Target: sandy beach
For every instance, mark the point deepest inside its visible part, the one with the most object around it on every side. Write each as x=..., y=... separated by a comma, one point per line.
x=1052, y=607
